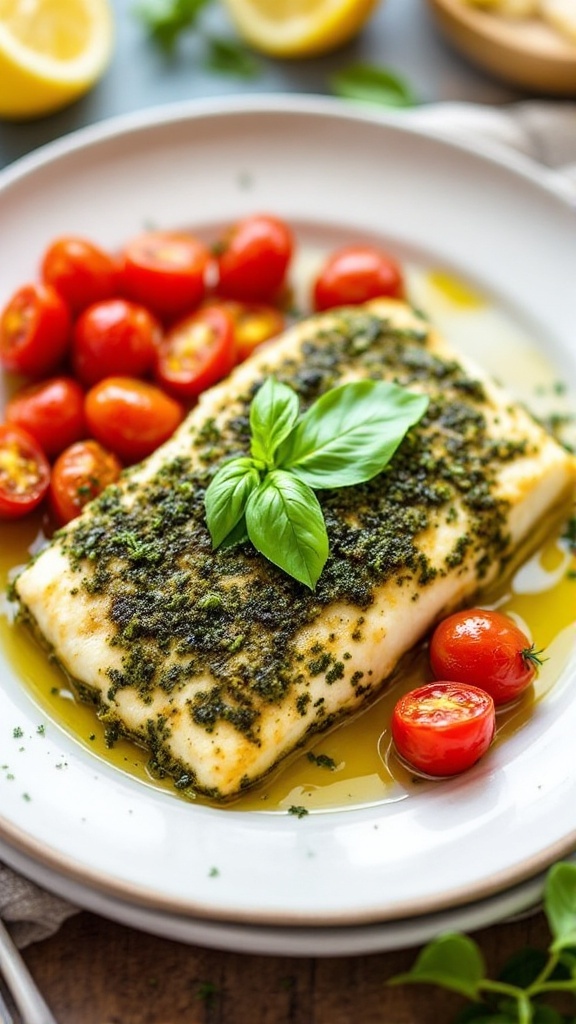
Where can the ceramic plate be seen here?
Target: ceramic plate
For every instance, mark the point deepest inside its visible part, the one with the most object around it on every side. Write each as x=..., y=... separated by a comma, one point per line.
x=75, y=822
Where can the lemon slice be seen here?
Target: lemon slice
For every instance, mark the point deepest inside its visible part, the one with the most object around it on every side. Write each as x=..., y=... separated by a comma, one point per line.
x=51, y=52
x=298, y=28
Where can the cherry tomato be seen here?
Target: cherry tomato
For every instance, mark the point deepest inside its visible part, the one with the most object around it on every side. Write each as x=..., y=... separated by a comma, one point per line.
x=356, y=274
x=51, y=411
x=131, y=417
x=443, y=728
x=197, y=352
x=254, y=323
x=34, y=330
x=24, y=472
x=114, y=337
x=165, y=271
x=253, y=259
x=80, y=473
x=486, y=649
x=80, y=271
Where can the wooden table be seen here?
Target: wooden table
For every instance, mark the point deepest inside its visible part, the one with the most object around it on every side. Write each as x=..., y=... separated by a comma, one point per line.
x=96, y=972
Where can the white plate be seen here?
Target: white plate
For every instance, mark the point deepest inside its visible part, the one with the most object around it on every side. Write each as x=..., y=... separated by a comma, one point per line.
x=335, y=172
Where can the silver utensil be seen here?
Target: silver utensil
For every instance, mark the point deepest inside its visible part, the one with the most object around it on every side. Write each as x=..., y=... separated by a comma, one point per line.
x=21, y=986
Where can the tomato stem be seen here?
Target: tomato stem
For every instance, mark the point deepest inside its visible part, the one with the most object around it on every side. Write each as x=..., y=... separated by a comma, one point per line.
x=532, y=656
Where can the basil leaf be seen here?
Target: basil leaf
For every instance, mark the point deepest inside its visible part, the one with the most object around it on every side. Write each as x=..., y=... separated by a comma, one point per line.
x=453, y=961
x=560, y=904
x=167, y=20
x=226, y=496
x=231, y=57
x=273, y=413
x=373, y=84
x=238, y=535
x=350, y=433
x=285, y=523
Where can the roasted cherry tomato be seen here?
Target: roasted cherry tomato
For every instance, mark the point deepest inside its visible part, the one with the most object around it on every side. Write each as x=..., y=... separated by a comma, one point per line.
x=79, y=474
x=254, y=323
x=486, y=649
x=80, y=271
x=34, y=330
x=114, y=337
x=24, y=472
x=165, y=271
x=131, y=417
x=253, y=259
x=443, y=728
x=197, y=352
x=51, y=411
x=356, y=274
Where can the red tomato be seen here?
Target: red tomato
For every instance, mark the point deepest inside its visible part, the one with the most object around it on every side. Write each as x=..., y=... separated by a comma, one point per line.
x=356, y=274
x=197, y=352
x=80, y=271
x=131, y=417
x=24, y=472
x=253, y=259
x=34, y=330
x=486, y=649
x=79, y=474
x=165, y=271
x=254, y=323
x=51, y=411
x=114, y=337
x=443, y=728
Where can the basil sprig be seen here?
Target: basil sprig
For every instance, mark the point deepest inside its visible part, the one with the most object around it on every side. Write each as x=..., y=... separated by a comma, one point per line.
x=345, y=438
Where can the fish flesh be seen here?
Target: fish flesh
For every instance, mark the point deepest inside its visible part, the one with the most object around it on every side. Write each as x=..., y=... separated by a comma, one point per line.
x=219, y=663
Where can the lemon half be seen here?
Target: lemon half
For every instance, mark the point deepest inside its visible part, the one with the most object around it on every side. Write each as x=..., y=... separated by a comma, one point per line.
x=299, y=28
x=51, y=52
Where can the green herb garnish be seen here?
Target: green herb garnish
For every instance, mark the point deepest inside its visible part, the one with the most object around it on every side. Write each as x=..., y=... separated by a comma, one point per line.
x=167, y=20
x=454, y=961
x=373, y=84
x=345, y=438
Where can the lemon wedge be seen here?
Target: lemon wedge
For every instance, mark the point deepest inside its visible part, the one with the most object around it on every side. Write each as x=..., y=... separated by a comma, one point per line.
x=298, y=28
x=51, y=52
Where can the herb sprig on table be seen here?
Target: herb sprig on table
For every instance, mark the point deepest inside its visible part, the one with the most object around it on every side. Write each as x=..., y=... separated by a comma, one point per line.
x=346, y=437
x=454, y=961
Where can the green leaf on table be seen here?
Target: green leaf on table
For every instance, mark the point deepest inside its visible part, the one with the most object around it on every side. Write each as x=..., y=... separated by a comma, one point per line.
x=452, y=961
x=167, y=20
x=231, y=57
x=350, y=433
x=227, y=495
x=523, y=967
x=285, y=523
x=273, y=414
x=373, y=84
x=560, y=904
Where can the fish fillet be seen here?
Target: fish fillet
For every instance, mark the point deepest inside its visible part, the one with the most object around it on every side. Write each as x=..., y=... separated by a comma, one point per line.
x=218, y=662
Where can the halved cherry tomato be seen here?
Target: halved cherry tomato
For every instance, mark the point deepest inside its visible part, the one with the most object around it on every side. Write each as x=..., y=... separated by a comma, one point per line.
x=487, y=649
x=51, y=411
x=443, y=728
x=114, y=337
x=253, y=259
x=356, y=274
x=79, y=474
x=131, y=417
x=24, y=472
x=80, y=271
x=165, y=271
x=254, y=323
x=197, y=352
x=34, y=330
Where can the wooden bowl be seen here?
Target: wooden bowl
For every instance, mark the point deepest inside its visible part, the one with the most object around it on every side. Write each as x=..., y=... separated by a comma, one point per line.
x=523, y=52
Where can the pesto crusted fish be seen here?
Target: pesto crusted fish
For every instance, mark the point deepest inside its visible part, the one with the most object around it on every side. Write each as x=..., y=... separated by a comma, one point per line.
x=220, y=663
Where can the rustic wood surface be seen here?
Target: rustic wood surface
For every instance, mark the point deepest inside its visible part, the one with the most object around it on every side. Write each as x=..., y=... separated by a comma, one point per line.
x=96, y=972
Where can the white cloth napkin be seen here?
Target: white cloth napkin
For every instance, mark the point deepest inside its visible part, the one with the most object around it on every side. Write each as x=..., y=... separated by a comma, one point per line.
x=544, y=131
